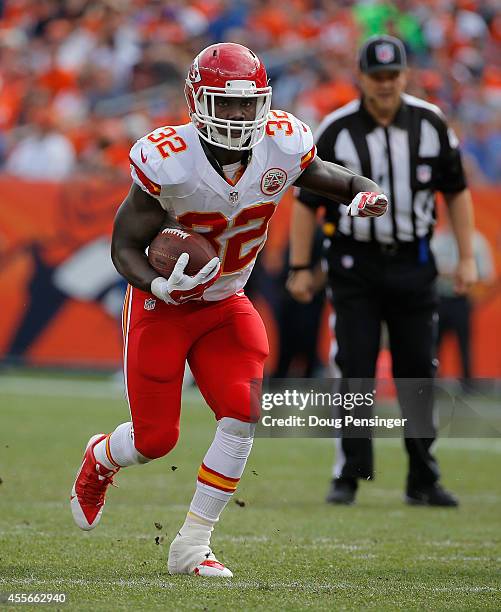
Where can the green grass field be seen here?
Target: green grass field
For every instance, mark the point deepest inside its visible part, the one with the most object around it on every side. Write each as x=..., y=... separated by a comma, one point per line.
x=286, y=547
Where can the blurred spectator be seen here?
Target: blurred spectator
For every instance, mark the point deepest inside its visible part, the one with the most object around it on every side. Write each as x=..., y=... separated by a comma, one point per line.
x=94, y=60
x=44, y=154
x=483, y=144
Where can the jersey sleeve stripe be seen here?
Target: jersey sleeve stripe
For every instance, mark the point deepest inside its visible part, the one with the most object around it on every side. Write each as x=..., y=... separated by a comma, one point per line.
x=151, y=186
x=308, y=158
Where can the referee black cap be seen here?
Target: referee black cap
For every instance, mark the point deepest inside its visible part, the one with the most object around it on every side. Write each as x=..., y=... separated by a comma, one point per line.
x=382, y=53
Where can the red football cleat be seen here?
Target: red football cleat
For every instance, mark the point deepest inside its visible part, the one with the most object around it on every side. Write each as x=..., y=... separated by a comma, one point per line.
x=89, y=488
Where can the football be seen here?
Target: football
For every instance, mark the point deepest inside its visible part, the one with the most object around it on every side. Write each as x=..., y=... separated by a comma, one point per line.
x=168, y=245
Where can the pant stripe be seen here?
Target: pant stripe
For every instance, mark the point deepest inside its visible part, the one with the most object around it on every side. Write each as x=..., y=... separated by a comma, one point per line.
x=126, y=314
x=125, y=311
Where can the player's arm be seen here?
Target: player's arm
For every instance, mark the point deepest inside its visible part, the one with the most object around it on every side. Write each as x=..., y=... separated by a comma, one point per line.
x=364, y=197
x=137, y=222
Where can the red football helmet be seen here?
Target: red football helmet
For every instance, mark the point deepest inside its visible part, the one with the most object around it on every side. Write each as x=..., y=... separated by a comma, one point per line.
x=227, y=70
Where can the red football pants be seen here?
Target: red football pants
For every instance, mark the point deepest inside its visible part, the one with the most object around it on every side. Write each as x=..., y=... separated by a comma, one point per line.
x=225, y=344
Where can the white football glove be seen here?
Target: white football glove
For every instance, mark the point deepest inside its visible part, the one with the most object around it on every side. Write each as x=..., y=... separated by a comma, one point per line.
x=368, y=204
x=180, y=287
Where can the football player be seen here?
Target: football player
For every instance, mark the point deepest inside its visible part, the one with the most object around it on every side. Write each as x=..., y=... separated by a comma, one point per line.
x=223, y=174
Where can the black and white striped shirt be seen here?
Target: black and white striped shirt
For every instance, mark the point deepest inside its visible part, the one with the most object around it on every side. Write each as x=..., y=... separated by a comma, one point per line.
x=410, y=159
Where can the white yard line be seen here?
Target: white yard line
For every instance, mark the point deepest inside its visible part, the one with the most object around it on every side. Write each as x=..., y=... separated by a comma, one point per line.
x=466, y=589
x=175, y=582
x=461, y=558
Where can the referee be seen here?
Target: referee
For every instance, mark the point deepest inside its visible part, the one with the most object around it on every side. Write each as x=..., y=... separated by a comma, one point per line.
x=382, y=269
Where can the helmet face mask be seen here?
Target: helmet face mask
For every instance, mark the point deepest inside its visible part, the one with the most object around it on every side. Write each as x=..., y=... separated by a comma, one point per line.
x=228, y=70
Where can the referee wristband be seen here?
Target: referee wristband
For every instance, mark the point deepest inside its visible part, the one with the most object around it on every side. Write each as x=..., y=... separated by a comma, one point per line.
x=298, y=268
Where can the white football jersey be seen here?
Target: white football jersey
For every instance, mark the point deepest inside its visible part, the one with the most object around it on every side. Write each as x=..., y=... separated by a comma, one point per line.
x=171, y=165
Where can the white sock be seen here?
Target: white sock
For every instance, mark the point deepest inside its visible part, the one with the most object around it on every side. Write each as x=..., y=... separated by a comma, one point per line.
x=196, y=525
x=218, y=477
x=222, y=467
x=118, y=450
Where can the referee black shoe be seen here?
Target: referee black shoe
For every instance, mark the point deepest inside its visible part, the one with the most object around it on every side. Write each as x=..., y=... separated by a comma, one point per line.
x=432, y=495
x=342, y=491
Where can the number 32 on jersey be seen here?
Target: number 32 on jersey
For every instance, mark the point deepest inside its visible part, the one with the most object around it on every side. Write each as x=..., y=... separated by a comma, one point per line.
x=231, y=236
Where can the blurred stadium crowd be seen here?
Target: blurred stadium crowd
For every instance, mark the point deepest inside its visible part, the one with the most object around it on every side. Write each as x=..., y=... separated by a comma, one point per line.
x=80, y=80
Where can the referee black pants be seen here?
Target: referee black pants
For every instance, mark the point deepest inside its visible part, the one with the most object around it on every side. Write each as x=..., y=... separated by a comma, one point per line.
x=371, y=285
